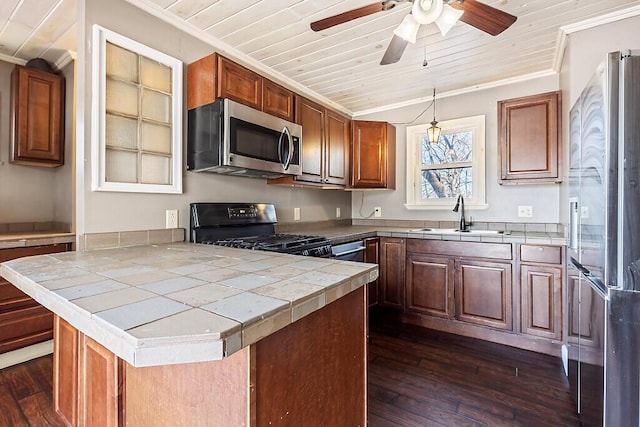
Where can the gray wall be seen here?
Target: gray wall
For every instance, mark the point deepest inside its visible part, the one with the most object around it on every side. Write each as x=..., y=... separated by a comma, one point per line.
x=107, y=211
x=585, y=50
x=503, y=201
x=31, y=193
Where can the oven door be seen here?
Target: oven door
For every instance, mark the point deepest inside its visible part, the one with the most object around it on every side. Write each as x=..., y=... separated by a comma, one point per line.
x=259, y=141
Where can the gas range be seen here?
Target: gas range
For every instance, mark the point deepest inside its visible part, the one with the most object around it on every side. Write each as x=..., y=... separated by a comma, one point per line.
x=250, y=226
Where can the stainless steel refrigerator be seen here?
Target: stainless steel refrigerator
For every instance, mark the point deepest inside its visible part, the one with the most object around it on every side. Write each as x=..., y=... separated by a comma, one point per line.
x=604, y=242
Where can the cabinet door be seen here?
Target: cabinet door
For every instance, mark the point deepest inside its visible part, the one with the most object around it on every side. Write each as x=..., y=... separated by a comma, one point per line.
x=430, y=285
x=336, y=148
x=484, y=293
x=541, y=301
x=372, y=255
x=38, y=114
x=65, y=371
x=392, y=271
x=529, y=143
x=277, y=100
x=100, y=385
x=311, y=116
x=586, y=329
x=369, y=151
x=238, y=83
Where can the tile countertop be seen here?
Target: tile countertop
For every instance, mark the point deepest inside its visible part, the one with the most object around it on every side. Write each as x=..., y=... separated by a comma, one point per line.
x=34, y=238
x=179, y=303
x=349, y=233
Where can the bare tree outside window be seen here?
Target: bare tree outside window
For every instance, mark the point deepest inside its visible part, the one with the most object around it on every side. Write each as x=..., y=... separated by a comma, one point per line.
x=446, y=166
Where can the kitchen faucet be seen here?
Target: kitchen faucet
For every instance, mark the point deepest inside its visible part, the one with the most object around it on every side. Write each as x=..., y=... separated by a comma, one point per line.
x=463, y=223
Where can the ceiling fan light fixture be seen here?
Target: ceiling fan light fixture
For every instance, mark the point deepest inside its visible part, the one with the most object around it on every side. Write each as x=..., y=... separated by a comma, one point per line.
x=427, y=11
x=408, y=29
x=448, y=19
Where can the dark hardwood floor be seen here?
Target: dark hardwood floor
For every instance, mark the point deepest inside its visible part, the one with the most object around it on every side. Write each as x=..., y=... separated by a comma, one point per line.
x=421, y=377
x=417, y=377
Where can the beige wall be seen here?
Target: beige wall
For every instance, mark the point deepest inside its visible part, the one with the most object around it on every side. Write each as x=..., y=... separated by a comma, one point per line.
x=503, y=201
x=103, y=211
x=30, y=193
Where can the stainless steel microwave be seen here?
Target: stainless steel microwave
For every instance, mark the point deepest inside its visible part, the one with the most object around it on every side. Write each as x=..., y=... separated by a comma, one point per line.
x=231, y=138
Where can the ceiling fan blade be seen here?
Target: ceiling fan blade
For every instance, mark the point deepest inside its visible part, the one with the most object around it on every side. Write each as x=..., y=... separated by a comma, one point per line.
x=394, y=50
x=484, y=17
x=349, y=15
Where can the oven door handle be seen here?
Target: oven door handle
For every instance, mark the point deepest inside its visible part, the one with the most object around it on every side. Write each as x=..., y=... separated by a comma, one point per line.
x=352, y=251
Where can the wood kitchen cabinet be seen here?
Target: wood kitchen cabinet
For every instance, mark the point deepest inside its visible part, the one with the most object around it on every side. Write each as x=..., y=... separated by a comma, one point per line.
x=215, y=76
x=372, y=255
x=372, y=159
x=37, y=111
x=588, y=328
x=325, y=142
x=529, y=139
x=429, y=285
x=484, y=293
x=541, y=291
x=24, y=321
x=461, y=282
x=392, y=272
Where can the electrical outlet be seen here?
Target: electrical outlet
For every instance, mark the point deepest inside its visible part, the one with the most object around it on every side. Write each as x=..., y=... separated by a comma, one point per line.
x=377, y=211
x=525, y=211
x=171, y=218
x=338, y=212
x=296, y=214
x=584, y=212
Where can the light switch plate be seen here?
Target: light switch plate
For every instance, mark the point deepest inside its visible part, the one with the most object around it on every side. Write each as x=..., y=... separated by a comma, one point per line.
x=338, y=212
x=296, y=214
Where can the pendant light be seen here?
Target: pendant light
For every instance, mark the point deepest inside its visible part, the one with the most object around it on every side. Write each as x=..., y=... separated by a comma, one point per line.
x=434, y=131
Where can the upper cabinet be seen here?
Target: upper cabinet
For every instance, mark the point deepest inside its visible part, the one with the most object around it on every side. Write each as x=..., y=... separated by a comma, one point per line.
x=529, y=139
x=373, y=148
x=215, y=76
x=38, y=117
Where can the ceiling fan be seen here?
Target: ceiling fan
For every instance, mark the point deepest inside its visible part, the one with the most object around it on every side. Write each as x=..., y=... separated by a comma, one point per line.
x=444, y=13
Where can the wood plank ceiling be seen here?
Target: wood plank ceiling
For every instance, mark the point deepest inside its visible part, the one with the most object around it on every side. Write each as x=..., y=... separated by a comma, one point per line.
x=340, y=64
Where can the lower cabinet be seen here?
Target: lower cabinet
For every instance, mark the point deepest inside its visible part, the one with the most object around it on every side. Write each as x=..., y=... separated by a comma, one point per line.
x=24, y=321
x=372, y=255
x=88, y=380
x=541, y=301
x=501, y=292
x=484, y=293
x=586, y=329
x=392, y=271
x=429, y=285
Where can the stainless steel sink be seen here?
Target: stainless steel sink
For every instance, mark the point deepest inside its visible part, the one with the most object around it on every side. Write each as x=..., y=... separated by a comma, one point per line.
x=456, y=231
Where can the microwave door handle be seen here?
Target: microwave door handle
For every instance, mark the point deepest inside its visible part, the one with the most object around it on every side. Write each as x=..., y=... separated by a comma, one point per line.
x=280, y=148
x=290, y=154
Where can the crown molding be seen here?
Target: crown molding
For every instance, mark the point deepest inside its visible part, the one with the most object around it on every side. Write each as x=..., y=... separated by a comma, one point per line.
x=456, y=92
x=12, y=59
x=65, y=59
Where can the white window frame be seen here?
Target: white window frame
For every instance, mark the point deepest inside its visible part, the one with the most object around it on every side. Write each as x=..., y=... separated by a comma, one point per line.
x=98, y=144
x=414, y=134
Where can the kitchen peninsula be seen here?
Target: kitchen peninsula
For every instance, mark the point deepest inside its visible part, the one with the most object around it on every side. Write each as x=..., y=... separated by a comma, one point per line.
x=187, y=334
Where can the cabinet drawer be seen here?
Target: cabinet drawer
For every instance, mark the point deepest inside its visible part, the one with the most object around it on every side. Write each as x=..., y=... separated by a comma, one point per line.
x=25, y=326
x=501, y=251
x=541, y=253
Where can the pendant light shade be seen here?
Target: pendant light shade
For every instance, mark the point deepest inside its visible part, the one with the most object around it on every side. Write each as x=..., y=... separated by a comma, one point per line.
x=433, y=133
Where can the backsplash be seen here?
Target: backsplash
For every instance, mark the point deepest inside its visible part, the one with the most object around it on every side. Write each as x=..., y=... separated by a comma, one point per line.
x=122, y=239
x=476, y=225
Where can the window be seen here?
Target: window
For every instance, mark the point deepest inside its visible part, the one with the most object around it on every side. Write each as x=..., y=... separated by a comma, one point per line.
x=137, y=117
x=437, y=173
